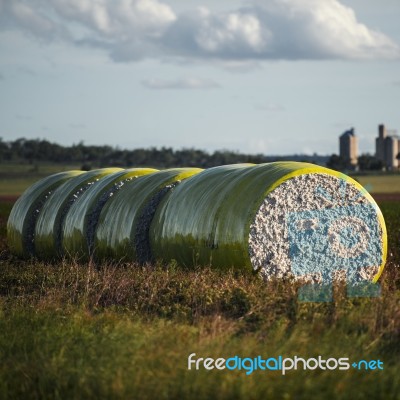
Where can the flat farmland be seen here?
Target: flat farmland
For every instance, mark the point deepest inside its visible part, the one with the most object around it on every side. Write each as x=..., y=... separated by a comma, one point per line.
x=380, y=184
x=15, y=178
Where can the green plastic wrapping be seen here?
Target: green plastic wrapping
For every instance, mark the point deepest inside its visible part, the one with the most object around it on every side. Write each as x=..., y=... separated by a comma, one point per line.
x=206, y=220
x=48, y=230
x=22, y=220
x=218, y=217
x=82, y=218
x=122, y=230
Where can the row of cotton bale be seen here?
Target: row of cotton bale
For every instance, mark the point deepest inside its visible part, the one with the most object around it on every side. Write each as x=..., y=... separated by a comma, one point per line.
x=279, y=219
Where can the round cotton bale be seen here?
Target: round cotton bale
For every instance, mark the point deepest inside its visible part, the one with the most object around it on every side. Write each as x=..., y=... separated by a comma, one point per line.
x=81, y=221
x=22, y=220
x=281, y=219
x=48, y=229
x=122, y=230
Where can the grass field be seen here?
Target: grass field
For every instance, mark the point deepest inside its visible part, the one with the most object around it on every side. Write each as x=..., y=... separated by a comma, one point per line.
x=15, y=178
x=73, y=331
x=380, y=183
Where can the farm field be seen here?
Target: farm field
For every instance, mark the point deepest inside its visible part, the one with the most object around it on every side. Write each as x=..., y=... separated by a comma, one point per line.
x=72, y=330
x=383, y=183
x=15, y=178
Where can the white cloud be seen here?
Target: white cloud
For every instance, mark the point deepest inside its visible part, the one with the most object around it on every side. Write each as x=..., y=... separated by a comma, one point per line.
x=186, y=83
x=230, y=36
x=23, y=16
x=230, y=32
x=322, y=29
x=119, y=19
x=134, y=29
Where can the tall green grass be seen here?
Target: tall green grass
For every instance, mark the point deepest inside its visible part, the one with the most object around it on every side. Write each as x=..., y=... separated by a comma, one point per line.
x=73, y=331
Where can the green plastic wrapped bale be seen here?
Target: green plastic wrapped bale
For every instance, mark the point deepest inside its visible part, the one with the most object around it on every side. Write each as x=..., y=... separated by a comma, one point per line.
x=22, y=220
x=122, y=230
x=81, y=221
x=48, y=230
x=281, y=219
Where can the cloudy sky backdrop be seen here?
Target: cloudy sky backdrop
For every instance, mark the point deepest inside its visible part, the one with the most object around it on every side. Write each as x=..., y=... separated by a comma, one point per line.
x=273, y=76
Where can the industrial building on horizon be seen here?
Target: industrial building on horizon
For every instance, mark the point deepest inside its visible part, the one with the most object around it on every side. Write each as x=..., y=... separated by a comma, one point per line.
x=348, y=148
x=387, y=148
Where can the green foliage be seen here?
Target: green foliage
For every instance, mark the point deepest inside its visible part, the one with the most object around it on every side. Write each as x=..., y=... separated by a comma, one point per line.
x=391, y=212
x=366, y=162
x=236, y=303
x=337, y=163
x=35, y=151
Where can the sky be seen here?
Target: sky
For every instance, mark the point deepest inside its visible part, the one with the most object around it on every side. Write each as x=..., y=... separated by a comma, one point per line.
x=259, y=76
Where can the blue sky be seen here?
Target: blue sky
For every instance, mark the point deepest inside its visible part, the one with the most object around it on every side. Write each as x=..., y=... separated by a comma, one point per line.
x=271, y=76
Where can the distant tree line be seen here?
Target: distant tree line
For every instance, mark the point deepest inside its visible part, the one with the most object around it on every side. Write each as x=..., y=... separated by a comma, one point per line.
x=366, y=162
x=35, y=151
